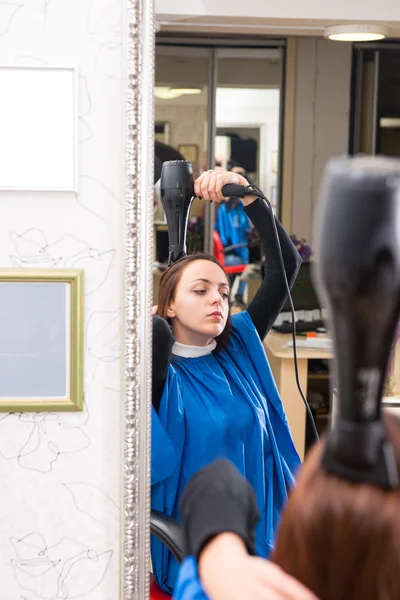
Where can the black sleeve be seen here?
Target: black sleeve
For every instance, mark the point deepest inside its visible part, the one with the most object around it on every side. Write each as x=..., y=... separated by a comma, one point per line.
x=163, y=341
x=216, y=500
x=271, y=295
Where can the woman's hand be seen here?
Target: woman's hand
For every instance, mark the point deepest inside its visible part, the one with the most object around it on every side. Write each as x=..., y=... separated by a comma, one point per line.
x=228, y=572
x=210, y=183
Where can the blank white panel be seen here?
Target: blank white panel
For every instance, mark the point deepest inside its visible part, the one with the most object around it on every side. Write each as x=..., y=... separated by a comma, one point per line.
x=38, y=128
x=35, y=340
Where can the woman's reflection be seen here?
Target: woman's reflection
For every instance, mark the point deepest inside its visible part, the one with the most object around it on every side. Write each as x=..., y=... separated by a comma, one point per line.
x=213, y=391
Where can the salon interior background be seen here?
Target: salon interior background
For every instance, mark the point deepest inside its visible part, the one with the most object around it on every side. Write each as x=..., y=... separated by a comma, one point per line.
x=319, y=110
x=249, y=91
x=49, y=493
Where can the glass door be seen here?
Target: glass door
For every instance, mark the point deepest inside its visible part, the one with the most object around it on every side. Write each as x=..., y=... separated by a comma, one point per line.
x=218, y=102
x=375, y=115
x=247, y=140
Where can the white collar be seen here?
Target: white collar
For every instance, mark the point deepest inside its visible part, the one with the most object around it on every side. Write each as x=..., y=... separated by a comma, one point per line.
x=192, y=351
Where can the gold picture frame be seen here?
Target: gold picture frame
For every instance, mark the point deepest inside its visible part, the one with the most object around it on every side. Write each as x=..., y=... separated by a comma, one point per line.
x=51, y=347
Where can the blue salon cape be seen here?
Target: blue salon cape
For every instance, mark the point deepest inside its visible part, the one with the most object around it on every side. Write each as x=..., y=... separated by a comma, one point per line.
x=188, y=586
x=232, y=226
x=223, y=405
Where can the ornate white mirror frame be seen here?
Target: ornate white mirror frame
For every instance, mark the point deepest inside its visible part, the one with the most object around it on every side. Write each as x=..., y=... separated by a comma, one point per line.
x=139, y=43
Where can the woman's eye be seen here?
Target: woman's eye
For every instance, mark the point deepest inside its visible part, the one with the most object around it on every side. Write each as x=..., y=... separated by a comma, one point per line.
x=200, y=292
x=225, y=296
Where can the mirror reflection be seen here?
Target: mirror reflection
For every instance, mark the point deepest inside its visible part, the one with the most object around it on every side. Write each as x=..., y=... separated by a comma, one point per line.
x=214, y=394
x=224, y=382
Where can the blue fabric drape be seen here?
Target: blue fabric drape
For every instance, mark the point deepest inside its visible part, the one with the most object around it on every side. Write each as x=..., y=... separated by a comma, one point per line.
x=223, y=405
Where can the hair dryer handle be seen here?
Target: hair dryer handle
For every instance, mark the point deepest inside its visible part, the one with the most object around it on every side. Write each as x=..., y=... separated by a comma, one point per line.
x=233, y=189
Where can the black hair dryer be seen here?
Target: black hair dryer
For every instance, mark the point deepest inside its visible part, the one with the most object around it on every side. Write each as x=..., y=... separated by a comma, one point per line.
x=177, y=193
x=358, y=277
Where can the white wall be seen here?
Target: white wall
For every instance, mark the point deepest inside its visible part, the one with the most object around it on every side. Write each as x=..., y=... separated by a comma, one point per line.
x=60, y=473
x=386, y=10
x=322, y=102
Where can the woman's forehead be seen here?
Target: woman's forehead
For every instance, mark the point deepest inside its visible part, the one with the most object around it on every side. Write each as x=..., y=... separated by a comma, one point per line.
x=204, y=269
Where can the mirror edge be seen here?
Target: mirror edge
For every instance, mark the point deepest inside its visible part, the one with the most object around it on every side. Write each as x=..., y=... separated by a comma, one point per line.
x=139, y=48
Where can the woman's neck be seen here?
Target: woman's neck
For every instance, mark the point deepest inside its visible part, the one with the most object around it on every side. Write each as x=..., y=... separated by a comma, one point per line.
x=187, y=351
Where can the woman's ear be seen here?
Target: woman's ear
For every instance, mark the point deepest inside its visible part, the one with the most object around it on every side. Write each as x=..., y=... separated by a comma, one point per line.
x=170, y=311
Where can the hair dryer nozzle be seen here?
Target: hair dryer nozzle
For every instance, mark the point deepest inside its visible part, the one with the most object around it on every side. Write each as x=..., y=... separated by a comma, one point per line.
x=358, y=279
x=177, y=191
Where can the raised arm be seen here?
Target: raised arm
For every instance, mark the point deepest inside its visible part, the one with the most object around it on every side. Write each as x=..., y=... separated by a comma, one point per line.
x=271, y=295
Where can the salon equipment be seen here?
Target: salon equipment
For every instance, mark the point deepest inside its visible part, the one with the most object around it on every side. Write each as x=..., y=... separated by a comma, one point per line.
x=357, y=275
x=302, y=327
x=177, y=193
x=220, y=251
x=309, y=315
x=169, y=532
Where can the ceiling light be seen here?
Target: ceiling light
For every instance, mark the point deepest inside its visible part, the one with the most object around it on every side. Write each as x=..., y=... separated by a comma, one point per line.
x=170, y=93
x=389, y=123
x=190, y=91
x=356, y=33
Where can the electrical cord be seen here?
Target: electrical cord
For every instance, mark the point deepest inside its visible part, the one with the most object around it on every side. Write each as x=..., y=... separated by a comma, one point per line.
x=255, y=191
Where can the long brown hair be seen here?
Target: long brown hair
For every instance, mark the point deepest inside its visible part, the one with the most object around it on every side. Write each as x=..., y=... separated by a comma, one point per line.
x=342, y=539
x=169, y=283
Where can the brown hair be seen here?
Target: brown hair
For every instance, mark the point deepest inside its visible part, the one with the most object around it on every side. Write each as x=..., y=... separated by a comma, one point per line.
x=169, y=283
x=342, y=539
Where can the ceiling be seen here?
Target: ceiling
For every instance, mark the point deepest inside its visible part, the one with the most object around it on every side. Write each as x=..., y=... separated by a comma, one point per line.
x=255, y=26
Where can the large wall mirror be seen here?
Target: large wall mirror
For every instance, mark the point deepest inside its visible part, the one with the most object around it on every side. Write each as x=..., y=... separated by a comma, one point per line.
x=219, y=105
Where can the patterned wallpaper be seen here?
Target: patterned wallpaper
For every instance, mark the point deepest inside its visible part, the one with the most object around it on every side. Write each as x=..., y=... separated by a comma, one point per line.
x=60, y=473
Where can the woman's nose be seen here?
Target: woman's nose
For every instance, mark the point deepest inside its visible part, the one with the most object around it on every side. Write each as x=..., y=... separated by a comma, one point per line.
x=216, y=297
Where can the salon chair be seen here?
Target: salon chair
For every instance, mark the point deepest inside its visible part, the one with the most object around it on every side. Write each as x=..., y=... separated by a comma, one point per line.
x=220, y=251
x=170, y=533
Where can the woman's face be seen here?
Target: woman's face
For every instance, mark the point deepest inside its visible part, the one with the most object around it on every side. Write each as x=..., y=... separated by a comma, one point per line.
x=200, y=308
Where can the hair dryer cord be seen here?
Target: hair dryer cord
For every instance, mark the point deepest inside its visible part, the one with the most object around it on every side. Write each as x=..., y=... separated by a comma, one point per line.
x=255, y=191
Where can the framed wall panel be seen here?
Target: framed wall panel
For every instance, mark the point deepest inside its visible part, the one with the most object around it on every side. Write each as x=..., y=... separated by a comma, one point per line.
x=41, y=340
x=39, y=128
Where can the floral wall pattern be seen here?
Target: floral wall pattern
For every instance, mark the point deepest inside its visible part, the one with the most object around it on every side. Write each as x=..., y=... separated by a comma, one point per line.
x=60, y=473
